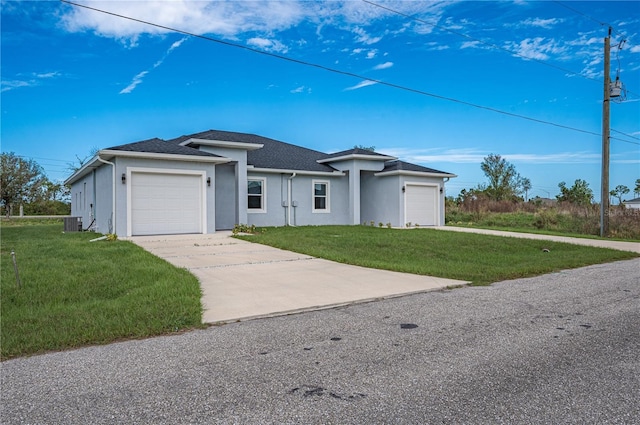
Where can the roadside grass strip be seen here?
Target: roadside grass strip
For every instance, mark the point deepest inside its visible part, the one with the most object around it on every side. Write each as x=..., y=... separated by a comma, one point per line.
x=481, y=259
x=75, y=293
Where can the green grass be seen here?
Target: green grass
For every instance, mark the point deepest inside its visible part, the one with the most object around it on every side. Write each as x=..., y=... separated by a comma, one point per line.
x=75, y=292
x=581, y=223
x=480, y=259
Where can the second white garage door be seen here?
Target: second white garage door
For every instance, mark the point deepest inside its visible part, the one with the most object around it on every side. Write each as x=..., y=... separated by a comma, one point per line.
x=164, y=204
x=421, y=205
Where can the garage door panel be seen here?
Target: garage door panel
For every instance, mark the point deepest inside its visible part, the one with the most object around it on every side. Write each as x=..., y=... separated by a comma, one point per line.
x=166, y=203
x=422, y=205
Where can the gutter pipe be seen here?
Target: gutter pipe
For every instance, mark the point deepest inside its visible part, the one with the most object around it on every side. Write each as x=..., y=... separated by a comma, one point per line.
x=113, y=192
x=289, y=184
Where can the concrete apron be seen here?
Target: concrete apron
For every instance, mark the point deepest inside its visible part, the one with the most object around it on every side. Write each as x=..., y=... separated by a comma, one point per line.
x=242, y=280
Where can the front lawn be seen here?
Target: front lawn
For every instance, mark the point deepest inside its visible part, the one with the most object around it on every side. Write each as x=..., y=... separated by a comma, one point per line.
x=481, y=259
x=75, y=292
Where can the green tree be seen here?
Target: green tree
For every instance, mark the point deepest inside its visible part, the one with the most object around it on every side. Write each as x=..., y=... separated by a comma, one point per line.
x=619, y=191
x=636, y=190
x=21, y=181
x=526, y=187
x=366, y=148
x=579, y=193
x=504, y=181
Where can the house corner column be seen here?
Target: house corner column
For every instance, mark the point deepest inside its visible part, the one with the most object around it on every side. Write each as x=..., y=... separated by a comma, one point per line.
x=241, y=178
x=354, y=195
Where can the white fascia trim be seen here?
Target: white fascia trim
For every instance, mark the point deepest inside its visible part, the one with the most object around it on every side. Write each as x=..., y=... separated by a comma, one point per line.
x=165, y=156
x=299, y=172
x=413, y=173
x=357, y=156
x=82, y=171
x=223, y=144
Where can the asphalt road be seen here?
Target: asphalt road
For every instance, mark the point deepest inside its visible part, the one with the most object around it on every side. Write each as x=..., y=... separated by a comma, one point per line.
x=562, y=348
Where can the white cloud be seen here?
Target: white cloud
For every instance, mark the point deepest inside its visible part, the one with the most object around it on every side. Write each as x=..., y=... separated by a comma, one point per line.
x=16, y=84
x=361, y=84
x=176, y=44
x=301, y=89
x=363, y=37
x=200, y=17
x=537, y=48
x=35, y=79
x=635, y=49
x=383, y=65
x=47, y=75
x=541, y=23
x=372, y=53
x=470, y=44
x=435, y=46
x=137, y=80
x=134, y=83
x=268, y=45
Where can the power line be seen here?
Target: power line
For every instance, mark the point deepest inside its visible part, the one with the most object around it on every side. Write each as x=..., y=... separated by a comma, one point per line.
x=340, y=72
x=623, y=36
x=626, y=134
x=590, y=17
x=492, y=45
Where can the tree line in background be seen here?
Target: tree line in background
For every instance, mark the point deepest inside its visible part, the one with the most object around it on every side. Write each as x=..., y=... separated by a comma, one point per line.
x=503, y=203
x=24, y=183
x=506, y=184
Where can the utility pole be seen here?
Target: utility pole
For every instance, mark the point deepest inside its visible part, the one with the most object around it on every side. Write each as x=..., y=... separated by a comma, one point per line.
x=604, y=192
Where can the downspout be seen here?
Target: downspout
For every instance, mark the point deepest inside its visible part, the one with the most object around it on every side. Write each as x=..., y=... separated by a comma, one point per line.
x=113, y=194
x=289, y=184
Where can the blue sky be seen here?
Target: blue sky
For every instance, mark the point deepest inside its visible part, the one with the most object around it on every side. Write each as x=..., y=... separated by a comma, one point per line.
x=75, y=79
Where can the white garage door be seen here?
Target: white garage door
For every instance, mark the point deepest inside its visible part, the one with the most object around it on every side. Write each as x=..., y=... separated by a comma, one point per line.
x=421, y=205
x=164, y=204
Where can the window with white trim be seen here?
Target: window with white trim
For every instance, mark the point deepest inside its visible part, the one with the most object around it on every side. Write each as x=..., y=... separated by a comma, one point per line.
x=321, y=196
x=256, y=195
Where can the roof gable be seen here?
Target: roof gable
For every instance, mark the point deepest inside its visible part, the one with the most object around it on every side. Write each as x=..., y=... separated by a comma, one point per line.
x=274, y=153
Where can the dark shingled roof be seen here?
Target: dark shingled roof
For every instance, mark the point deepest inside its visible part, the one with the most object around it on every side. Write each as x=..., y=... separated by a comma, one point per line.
x=160, y=146
x=274, y=154
x=354, y=151
x=397, y=165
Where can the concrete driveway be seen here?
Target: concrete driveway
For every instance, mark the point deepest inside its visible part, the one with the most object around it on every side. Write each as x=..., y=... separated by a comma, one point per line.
x=242, y=280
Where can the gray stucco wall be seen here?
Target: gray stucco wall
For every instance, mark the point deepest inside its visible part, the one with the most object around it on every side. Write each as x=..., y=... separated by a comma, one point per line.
x=226, y=197
x=239, y=156
x=302, y=196
x=381, y=200
x=104, y=199
x=82, y=197
x=91, y=197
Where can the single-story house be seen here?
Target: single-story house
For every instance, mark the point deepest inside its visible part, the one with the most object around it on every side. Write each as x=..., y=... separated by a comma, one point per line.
x=213, y=180
x=632, y=203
